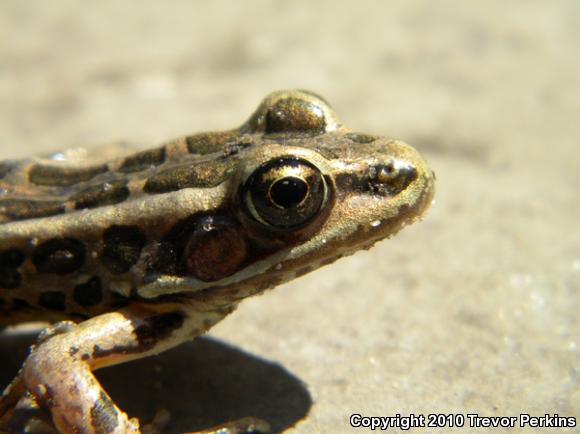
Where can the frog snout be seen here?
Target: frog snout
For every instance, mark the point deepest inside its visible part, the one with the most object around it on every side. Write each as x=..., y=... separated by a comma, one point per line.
x=392, y=177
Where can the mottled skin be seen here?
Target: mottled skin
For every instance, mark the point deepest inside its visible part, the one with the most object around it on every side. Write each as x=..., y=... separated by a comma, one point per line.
x=139, y=254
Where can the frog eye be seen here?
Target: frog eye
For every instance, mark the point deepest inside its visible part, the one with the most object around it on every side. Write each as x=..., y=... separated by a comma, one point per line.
x=295, y=115
x=285, y=193
x=292, y=112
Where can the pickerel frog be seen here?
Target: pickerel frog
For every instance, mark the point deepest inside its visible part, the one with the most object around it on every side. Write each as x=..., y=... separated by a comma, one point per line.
x=134, y=255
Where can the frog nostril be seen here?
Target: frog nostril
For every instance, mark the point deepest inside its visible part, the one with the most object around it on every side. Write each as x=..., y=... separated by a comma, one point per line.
x=391, y=178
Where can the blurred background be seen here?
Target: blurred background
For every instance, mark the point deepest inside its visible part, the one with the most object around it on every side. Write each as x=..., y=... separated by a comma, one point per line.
x=474, y=310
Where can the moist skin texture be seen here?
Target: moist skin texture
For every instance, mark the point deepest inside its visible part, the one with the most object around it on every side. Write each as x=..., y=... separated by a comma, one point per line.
x=141, y=253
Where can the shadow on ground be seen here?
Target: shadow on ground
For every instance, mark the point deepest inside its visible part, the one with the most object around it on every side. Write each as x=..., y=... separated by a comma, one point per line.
x=202, y=384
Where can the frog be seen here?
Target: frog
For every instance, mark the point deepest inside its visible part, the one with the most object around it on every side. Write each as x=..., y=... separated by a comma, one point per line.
x=135, y=254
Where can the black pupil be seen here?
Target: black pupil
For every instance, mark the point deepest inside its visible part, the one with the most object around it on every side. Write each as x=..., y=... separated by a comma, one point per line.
x=288, y=192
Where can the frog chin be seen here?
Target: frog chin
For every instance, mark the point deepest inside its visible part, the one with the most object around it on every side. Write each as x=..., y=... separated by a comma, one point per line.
x=376, y=220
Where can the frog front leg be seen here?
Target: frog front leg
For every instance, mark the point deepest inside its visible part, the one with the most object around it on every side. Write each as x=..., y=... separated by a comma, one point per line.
x=58, y=372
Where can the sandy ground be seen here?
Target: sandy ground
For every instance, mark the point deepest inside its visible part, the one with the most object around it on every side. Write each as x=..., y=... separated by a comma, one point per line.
x=474, y=310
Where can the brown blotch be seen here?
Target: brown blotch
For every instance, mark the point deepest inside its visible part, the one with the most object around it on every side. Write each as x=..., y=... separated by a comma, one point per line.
x=52, y=300
x=19, y=304
x=158, y=327
x=104, y=416
x=108, y=193
x=216, y=249
x=63, y=176
x=208, y=143
x=9, y=278
x=143, y=160
x=118, y=301
x=89, y=293
x=168, y=258
x=122, y=247
x=59, y=256
x=200, y=175
x=10, y=260
x=22, y=209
